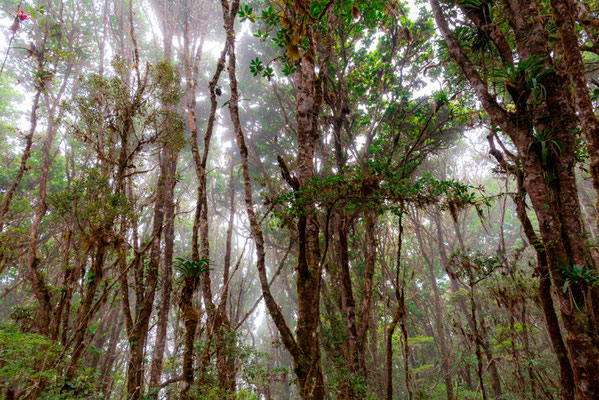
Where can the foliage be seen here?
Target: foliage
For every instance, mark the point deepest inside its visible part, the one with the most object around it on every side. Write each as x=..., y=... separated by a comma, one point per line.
x=27, y=358
x=401, y=205
x=528, y=73
x=548, y=144
x=191, y=269
x=580, y=275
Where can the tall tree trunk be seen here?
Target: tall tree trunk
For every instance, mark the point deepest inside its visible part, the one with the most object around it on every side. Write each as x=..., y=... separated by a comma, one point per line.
x=399, y=317
x=389, y=354
x=169, y=158
x=190, y=314
x=366, y=302
x=35, y=276
x=40, y=289
x=306, y=350
x=217, y=320
x=308, y=102
x=229, y=237
x=348, y=304
x=544, y=293
x=439, y=317
x=564, y=15
x=66, y=282
x=190, y=320
x=225, y=344
x=167, y=271
x=145, y=296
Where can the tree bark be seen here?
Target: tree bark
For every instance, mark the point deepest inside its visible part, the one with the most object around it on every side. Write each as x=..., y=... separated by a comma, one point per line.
x=169, y=158
x=564, y=15
x=308, y=102
x=544, y=293
x=167, y=270
x=348, y=304
x=366, y=302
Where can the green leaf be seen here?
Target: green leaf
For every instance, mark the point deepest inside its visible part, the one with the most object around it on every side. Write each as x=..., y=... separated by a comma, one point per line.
x=190, y=268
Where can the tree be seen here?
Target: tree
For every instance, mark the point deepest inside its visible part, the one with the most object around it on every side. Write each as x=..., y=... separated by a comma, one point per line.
x=536, y=92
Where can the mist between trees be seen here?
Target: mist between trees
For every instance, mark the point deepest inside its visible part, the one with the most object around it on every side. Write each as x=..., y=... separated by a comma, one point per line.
x=298, y=199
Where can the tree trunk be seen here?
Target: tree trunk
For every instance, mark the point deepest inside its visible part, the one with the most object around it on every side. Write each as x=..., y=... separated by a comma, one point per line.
x=544, y=294
x=169, y=158
x=190, y=320
x=145, y=293
x=366, y=303
x=226, y=343
x=477, y=342
x=308, y=101
x=111, y=356
x=167, y=273
x=389, y=354
x=439, y=317
x=348, y=304
x=40, y=289
x=563, y=15
x=85, y=310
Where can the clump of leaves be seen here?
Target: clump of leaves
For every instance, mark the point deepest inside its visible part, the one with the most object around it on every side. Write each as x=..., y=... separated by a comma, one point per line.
x=526, y=76
x=547, y=143
x=41, y=79
x=284, y=34
x=474, y=266
x=579, y=275
x=191, y=269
